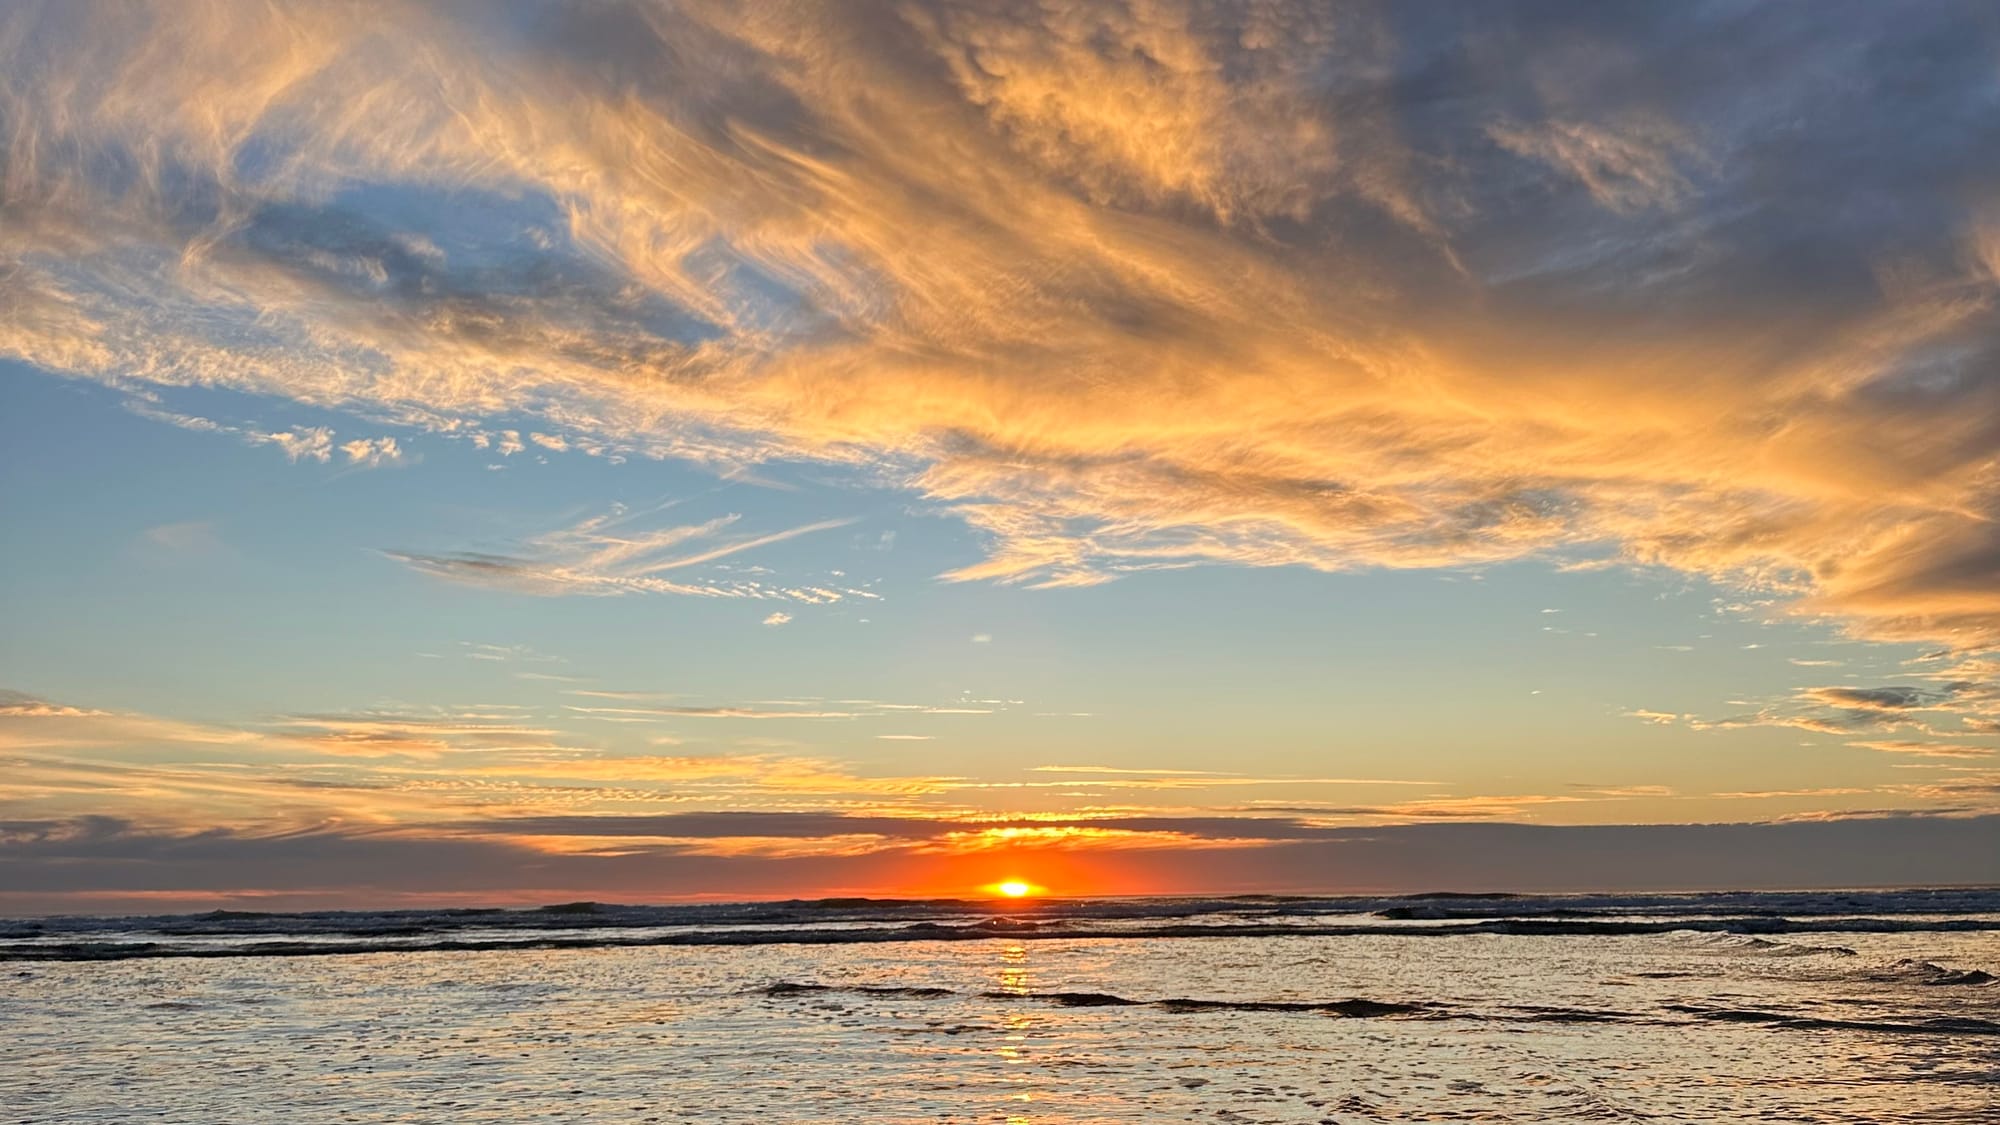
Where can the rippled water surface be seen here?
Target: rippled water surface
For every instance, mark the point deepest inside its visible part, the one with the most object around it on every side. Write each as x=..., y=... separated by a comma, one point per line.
x=1681, y=1025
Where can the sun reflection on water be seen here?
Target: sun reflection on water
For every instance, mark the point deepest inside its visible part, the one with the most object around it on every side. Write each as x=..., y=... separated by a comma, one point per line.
x=1014, y=970
x=1016, y=1024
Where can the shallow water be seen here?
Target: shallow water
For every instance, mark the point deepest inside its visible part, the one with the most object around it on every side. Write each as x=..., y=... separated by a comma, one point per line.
x=1482, y=1026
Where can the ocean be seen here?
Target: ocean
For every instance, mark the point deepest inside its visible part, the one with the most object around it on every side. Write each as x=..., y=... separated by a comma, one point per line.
x=1823, y=1007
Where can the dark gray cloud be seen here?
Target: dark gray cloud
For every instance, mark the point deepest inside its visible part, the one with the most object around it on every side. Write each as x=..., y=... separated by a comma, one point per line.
x=1958, y=698
x=1876, y=699
x=101, y=864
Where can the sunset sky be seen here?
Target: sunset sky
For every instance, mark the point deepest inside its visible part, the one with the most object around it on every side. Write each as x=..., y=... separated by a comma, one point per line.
x=503, y=452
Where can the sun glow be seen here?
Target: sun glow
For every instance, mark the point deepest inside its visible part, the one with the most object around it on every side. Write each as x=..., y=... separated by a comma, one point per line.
x=1014, y=888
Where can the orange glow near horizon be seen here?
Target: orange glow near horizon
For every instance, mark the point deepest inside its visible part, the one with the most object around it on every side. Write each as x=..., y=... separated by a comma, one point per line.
x=1015, y=888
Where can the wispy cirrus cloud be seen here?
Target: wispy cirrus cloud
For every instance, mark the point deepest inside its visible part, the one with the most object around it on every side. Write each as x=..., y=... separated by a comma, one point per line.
x=659, y=707
x=1956, y=695
x=620, y=553
x=29, y=722
x=1787, y=794
x=21, y=705
x=1210, y=285
x=408, y=766
x=1928, y=749
x=384, y=767
x=299, y=443
x=1124, y=770
x=716, y=712
x=742, y=779
x=429, y=733
x=98, y=803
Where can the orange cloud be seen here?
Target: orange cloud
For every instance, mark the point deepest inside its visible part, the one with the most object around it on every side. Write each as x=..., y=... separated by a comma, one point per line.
x=1124, y=287
x=1928, y=749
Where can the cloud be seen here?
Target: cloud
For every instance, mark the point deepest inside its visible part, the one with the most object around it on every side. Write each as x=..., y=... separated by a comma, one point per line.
x=767, y=709
x=1959, y=688
x=1872, y=699
x=718, y=712
x=1781, y=794
x=350, y=803
x=410, y=767
x=739, y=778
x=1928, y=749
x=21, y=705
x=1122, y=770
x=1181, y=779
x=1292, y=284
x=1978, y=791
x=380, y=767
x=193, y=537
x=1456, y=808
x=302, y=443
x=1626, y=165
x=778, y=617
x=502, y=654
x=373, y=453
x=618, y=553
x=418, y=734
x=1623, y=792
x=111, y=864
x=28, y=722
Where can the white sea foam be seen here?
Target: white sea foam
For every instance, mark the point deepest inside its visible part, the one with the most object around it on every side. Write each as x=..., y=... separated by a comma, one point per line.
x=1747, y=921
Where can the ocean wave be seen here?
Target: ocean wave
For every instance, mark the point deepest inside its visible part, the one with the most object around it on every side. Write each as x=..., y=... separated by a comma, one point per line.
x=1936, y=1025
x=1745, y=910
x=1533, y=1013
x=1350, y=1008
x=171, y=942
x=1362, y=1008
x=1737, y=942
x=1931, y=973
x=790, y=988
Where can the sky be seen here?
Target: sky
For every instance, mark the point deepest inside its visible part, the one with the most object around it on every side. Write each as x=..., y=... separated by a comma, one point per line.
x=507, y=452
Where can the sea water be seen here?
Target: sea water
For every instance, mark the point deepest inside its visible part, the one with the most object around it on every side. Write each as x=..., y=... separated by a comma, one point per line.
x=1808, y=1008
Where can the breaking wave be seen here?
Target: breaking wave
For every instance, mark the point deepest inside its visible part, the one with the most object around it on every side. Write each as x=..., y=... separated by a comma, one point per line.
x=1351, y=1008
x=1361, y=1008
x=1743, y=923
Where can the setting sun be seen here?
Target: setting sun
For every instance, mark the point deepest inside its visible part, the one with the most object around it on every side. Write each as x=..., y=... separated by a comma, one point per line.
x=1014, y=888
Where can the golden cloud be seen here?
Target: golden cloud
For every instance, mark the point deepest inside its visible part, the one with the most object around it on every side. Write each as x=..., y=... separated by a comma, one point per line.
x=1124, y=285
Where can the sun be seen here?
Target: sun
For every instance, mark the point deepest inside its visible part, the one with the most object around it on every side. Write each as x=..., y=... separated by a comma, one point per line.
x=1014, y=888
